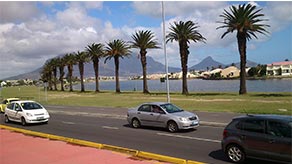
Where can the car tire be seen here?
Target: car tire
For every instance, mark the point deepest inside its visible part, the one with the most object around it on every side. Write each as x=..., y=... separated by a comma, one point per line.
x=135, y=123
x=172, y=126
x=6, y=119
x=235, y=153
x=23, y=122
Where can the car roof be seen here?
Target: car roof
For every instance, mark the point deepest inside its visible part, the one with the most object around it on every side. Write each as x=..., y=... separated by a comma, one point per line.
x=266, y=116
x=155, y=103
x=23, y=101
x=9, y=99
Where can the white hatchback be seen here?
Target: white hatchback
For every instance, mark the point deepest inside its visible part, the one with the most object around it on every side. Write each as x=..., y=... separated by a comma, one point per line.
x=26, y=112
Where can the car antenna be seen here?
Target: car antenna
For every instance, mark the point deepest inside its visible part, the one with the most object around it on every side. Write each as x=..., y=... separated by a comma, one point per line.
x=245, y=112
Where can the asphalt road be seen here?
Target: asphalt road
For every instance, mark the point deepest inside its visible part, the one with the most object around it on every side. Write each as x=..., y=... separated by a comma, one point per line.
x=109, y=126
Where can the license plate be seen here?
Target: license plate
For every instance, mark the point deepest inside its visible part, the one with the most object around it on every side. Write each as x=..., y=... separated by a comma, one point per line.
x=194, y=123
x=40, y=118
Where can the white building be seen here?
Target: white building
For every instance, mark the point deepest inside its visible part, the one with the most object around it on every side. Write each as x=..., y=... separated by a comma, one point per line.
x=280, y=68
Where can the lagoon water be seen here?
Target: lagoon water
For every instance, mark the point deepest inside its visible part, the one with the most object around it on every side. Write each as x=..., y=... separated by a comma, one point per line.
x=197, y=85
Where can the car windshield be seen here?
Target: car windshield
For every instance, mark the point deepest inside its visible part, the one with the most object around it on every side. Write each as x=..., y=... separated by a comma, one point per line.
x=170, y=108
x=31, y=106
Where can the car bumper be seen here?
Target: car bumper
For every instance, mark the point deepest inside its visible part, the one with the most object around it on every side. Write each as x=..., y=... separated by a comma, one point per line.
x=188, y=124
x=37, y=120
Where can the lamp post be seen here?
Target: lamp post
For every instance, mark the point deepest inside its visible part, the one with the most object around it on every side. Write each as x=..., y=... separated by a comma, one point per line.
x=164, y=49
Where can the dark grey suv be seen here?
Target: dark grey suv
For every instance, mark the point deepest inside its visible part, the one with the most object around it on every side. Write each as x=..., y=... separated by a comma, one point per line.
x=266, y=137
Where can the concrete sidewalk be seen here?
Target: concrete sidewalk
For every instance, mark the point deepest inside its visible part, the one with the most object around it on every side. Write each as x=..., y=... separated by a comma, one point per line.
x=20, y=148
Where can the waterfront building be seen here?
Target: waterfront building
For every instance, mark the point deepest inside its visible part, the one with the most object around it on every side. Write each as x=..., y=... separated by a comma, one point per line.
x=280, y=69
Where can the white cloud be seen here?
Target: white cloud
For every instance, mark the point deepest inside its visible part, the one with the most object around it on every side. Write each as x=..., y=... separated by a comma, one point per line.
x=17, y=11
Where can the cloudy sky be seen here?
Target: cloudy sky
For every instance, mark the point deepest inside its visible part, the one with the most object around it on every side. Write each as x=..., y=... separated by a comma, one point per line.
x=32, y=32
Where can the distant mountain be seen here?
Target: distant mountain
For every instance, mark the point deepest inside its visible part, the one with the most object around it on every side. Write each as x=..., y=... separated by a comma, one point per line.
x=128, y=67
x=248, y=64
x=207, y=63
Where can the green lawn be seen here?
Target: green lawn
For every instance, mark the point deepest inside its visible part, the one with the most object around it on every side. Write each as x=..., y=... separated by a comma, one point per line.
x=273, y=103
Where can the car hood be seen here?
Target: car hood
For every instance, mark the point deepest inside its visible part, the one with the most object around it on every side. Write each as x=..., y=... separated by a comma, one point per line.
x=36, y=111
x=183, y=114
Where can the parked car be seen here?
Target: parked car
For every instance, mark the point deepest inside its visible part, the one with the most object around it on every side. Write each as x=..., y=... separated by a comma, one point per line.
x=161, y=114
x=5, y=102
x=26, y=112
x=267, y=137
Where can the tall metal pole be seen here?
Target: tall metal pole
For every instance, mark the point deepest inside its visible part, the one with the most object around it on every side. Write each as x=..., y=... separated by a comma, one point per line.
x=165, y=55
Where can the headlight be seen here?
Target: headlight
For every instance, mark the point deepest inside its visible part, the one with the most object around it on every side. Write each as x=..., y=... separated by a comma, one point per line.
x=183, y=119
x=29, y=114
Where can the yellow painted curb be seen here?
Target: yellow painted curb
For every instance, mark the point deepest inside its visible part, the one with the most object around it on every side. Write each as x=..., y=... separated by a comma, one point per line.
x=194, y=162
x=120, y=149
x=136, y=153
x=163, y=158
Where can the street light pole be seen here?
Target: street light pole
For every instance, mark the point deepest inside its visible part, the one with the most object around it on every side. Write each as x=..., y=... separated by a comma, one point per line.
x=165, y=55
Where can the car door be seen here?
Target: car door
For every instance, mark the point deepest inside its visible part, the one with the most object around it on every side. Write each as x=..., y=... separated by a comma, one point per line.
x=279, y=141
x=9, y=111
x=145, y=115
x=252, y=135
x=159, y=117
x=17, y=112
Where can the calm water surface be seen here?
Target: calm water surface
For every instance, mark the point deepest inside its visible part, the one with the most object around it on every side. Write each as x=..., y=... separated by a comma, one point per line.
x=198, y=85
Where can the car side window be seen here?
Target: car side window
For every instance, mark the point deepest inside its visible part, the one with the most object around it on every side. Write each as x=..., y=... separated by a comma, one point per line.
x=157, y=109
x=10, y=106
x=17, y=107
x=279, y=129
x=251, y=125
x=145, y=108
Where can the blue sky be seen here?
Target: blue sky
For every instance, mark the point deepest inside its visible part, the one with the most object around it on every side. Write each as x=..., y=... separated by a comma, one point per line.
x=32, y=32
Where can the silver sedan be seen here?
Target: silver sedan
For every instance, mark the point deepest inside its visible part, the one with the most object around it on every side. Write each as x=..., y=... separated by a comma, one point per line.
x=161, y=114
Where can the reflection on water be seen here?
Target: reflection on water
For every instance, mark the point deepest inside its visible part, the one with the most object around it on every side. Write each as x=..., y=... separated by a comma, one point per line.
x=198, y=85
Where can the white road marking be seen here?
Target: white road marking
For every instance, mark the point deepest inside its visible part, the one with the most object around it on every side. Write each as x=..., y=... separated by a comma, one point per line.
x=70, y=123
x=110, y=127
x=188, y=137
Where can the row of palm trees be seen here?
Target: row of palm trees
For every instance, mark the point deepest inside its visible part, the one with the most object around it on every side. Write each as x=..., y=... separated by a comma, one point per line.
x=245, y=19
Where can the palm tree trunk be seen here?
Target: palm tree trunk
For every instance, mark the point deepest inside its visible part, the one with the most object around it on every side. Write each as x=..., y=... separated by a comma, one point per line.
x=81, y=71
x=70, y=72
x=144, y=68
x=55, y=78
x=184, y=64
x=118, y=90
x=96, y=71
x=241, y=40
x=61, y=69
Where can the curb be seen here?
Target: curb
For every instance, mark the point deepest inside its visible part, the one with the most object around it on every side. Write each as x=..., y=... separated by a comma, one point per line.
x=132, y=152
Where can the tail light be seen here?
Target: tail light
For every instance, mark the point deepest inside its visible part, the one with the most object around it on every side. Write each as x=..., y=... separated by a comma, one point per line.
x=225, y=133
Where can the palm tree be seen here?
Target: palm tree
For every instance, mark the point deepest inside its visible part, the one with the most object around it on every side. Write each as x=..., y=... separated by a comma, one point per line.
x=144, y=40
x=117, y=49
x=246, y=20
x=53, y=64
x=81, y=58
x=61, y=64
x=96, y=51
x=46, y=74
x=70, y=62
x=183, y=33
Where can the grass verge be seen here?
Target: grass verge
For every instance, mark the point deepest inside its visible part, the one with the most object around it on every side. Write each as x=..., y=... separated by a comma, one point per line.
x=261, y=103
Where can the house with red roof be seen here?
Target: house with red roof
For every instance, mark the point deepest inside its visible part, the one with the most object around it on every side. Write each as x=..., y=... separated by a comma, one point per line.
x=280, y=69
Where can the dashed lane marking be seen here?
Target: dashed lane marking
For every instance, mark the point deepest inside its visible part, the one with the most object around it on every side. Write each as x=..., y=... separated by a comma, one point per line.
x=70, y=123
x=110, y=127
x=189, y=137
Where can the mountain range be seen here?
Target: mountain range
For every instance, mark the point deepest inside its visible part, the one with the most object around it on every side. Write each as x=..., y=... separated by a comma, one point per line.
x=131, y=67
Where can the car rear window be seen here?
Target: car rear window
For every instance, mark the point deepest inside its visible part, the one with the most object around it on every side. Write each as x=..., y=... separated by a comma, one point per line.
x=30, y=106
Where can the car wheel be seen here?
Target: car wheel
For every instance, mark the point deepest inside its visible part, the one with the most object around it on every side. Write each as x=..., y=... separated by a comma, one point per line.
x=235, y=154
x=6, y=119
x=172, y=126
x=136, y=123
x=23, y=122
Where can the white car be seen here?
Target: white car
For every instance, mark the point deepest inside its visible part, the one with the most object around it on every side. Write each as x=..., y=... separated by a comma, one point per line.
x=26, y=112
